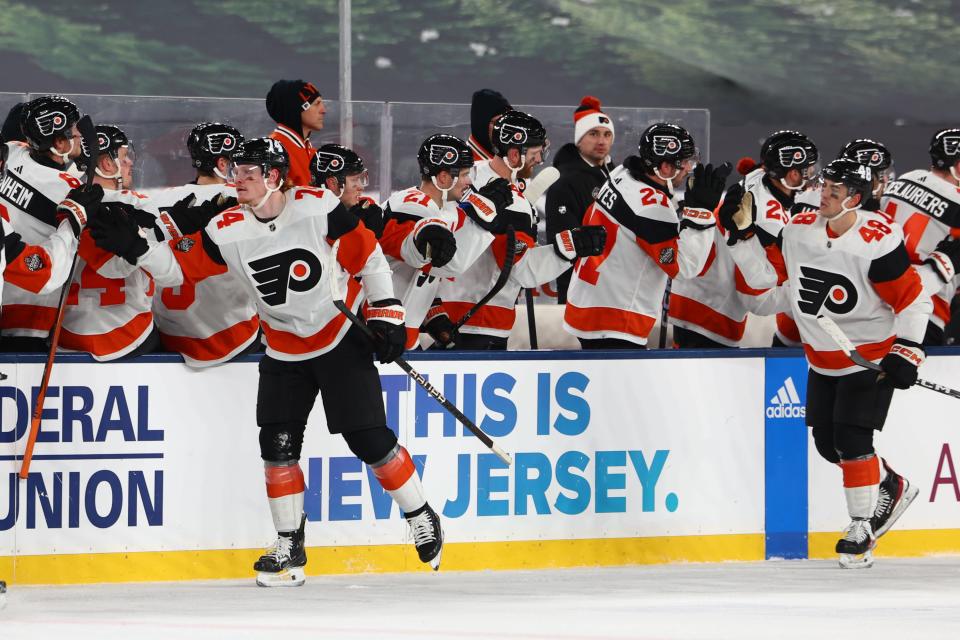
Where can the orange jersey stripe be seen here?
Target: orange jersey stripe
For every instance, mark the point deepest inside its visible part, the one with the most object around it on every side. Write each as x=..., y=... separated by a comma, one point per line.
x=27, y=316
x=608, y=319
x=215, y=347
x=839, y=360
x=286, y=342
x=355, y=248
x=900, y=292
x=105, y=344
x=487, y=316
x=699, y=314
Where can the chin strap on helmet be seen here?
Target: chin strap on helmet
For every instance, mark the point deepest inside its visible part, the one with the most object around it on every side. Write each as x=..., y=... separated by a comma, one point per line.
x=270, y=191
x=514, y=170
x=64, y=157
x=443, y=192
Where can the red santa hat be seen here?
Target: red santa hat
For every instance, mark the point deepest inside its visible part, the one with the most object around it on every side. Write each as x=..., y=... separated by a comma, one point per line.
x=588, y=116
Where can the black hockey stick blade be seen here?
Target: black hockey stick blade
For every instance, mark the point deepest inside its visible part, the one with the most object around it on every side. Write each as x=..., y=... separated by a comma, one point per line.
x=88, y=138
x=838, y=336
x=501, y=279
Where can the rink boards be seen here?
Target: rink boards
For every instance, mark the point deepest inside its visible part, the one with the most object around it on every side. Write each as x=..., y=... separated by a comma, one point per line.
x=150, y=471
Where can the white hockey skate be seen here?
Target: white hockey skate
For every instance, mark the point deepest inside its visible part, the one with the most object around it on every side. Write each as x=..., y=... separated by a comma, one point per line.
x=282, y=564
x=857, y=544
x=896, y=494
x=427, y=535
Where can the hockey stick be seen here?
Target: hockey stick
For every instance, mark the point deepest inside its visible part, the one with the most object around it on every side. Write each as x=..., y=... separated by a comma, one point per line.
x=88, y=134
x=501, y=279
x=337, y=295
x=531, y=319
x=836, y=334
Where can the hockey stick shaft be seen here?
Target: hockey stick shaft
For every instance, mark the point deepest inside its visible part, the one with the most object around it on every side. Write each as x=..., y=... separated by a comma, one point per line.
x=432, y=391
x=89, y=135
x=531, y=319
x=838, y=336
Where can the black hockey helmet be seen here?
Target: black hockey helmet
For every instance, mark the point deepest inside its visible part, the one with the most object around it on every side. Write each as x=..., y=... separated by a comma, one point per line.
x=945, y=148
x=110, y=139
x=858, y=178
x=786, y=150
x=265, y=153
x=46, y=118
x=664, y=142
x=210, y=141
x=443, y=152
x=335, y=161
x=868, y=152
x=517, y=130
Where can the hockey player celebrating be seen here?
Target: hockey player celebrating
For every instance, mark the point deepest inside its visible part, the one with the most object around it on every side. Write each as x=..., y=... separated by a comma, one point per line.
x=520, y=142
x=36, y=181
x=215, y=320
x=850, y=265
x=278, y=239
x=430, y=235
x=615, y=298
x=711, y=311
x=926, y=203
x=875, y=155
x=342, y=171
x=108, y=312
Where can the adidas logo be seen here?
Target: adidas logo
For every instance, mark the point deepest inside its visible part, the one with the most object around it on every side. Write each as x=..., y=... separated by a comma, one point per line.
x=787, y=402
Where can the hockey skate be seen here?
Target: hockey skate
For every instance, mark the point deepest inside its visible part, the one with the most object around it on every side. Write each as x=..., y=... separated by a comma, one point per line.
x=282, y=564
x=856, y=545
x=896, y=494
x=427, y=535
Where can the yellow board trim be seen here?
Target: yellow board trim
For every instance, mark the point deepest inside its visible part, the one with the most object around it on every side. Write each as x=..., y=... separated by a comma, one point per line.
x=902, y=544
x=463, y=556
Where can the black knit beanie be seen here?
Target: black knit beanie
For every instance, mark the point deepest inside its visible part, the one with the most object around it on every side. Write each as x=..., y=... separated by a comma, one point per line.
x=486, y=104
x=287, y=99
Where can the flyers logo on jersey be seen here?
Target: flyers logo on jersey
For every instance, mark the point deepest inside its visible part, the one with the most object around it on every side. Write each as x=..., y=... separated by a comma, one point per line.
x=218, y=143
x=329, y=162
x=792, y=156
x=294, y=270
x=825, y=289
x=442, y=154
x=510, y=134
x=51, y=122
x=665, y=145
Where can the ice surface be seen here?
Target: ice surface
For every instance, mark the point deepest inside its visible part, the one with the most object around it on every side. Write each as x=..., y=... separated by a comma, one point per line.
x=901, y=599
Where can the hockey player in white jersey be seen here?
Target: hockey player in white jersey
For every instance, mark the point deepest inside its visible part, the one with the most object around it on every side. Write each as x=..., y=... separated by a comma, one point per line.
x=615, y=298
x=711, y=310
x=108, y=308
x=851, y=265
x=520, y=142
x=215, y=320
x=341, y=170
x=43, y=268
x=430, y=234
x=36, y=181
x=926, y=203
x=280, y=240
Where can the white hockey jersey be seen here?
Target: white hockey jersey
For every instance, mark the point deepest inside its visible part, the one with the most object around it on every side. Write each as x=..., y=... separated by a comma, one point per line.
x=108, y=311
x=928, y=209
x=862, y=279
x=713, y=304
x=619, y=293
x=29, y=195
x=416, y=282
x=532, y=266
x=36, y=268
x=283, y=263
x=211, y=321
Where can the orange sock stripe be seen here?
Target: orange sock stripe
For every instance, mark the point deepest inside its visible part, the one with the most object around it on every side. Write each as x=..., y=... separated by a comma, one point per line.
x=394, y=473
x=284, y=481
x=861, y=473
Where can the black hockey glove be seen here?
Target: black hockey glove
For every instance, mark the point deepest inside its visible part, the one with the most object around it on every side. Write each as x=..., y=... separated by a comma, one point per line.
x=737, y=214
x=438, y=324
x=370, y=214
x=80, y=206
x=190, y=219
x=580, y=242
x=435, y=242
x=901, y=364
x=945, y=258
x=706, y=186
x=144, y=219
x=386, y=319
x=114, y=231
x=485, y=205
